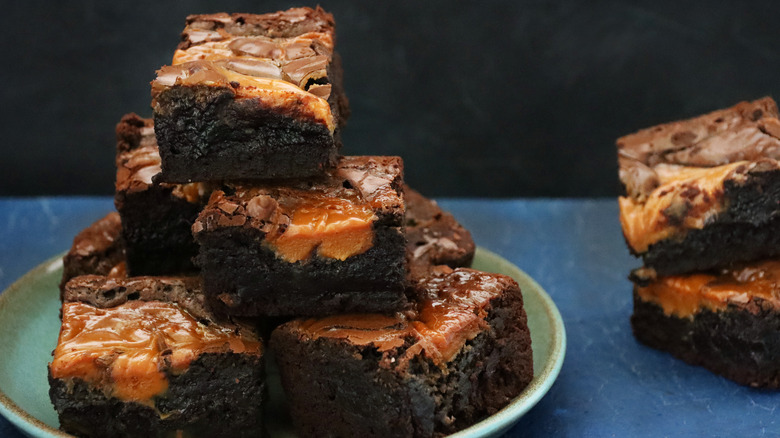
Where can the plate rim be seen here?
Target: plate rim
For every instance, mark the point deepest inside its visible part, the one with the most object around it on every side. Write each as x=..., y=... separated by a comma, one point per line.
x=541, y=383
x=496, y=423
x=20, y=418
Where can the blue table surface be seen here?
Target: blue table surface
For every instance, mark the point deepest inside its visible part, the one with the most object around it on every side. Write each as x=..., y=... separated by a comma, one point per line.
x=609, y=385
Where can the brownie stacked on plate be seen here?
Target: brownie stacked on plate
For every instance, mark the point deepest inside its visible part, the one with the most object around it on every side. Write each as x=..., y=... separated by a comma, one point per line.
x=702, y=210
x=235, y=209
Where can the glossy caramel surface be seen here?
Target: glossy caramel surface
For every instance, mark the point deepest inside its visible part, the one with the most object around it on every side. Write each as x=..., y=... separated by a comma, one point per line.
x=337, y=227
x=687, y=198
x=453, y=310
x=129, y=350
x=684, y=296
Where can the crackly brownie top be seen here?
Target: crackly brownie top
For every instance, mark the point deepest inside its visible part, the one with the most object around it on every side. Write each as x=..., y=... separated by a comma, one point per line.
x=748, y=131
x=98, y=237
x=138, y=161
x=280, y=58
x=334, y=215
x=453, y=307
x=747, y=286
x=127, y=335
x=282, y=24
x=675, y=174
x=433, y=236
x=97, y=249
x=104, y=291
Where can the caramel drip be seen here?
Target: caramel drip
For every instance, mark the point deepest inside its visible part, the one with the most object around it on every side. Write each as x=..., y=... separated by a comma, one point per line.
x=684, y=296
x=337, y=227
x=130, y=349
x=453, y=312
x=687, y=198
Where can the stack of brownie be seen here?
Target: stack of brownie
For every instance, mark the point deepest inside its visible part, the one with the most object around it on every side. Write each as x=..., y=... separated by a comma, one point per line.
x=702, y=210
x=236, y=211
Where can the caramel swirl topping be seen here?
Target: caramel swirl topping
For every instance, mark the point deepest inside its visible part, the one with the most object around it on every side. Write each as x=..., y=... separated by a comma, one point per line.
x=676, y=174
x=686, y=198
x=298, y=223
x=453, y=310
x=129, y=350
x=264, y=83
x=285, y=70
x=686, y=295
x=336, y=227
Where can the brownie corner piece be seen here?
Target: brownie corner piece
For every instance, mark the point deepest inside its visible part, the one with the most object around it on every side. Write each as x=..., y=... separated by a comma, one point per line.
x=727, y=322
x=703, y=193
x=331, y=245
x=433, y=236
x=148, y=377
x=97, y=249
x=251, y=97
x=463, y=356
x=156, y=217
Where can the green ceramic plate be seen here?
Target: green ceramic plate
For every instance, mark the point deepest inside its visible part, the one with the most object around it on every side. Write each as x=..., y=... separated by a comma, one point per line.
x=29, y=325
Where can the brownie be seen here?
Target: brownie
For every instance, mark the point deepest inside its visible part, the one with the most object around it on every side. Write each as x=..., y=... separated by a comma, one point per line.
x=156, y=217
x=98, y=250
x=433, y=236
x=251, y=97
x=464, y=355
x=727, y=321
x=308, y=248
x=144, y=357
x=703, y=193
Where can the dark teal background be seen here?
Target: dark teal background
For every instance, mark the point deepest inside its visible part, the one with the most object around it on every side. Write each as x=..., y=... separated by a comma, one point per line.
x=498, y=98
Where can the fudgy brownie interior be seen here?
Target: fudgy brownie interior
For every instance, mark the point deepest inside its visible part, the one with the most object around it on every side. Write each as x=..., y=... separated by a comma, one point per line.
x=463, y=355
x=144, y=357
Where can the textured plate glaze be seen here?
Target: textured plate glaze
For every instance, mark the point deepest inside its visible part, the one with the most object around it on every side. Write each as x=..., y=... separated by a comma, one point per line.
x=29, y=325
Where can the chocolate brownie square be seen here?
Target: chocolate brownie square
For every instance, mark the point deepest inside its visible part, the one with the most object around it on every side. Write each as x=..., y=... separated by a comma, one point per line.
x=251, y=97
x=156, y=217
x=703, y=193
x=726, y=321
x=433, y=236
x=97, y=250
x=144, y=357
x=311, y=247
x=463, y=356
